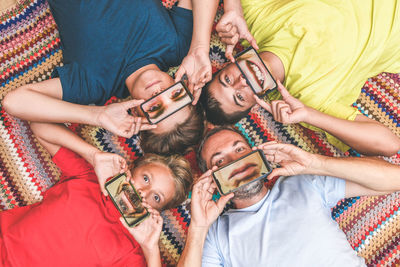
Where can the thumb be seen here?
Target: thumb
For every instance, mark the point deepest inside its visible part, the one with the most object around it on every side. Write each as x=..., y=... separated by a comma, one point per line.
x=247, y=35
x=277, y=172
x=223, y=200
x=132, y=103
x=228, y=52
x=179, y=73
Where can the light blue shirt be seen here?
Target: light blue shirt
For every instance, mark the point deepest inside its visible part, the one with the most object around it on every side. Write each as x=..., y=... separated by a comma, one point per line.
x=290, y=226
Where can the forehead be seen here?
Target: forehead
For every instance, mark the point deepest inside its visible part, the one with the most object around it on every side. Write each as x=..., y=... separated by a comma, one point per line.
x=172, y=121
x=220, y=142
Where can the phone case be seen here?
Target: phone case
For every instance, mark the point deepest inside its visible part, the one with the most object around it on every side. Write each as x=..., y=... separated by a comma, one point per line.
x=111, y=187
x=263, y=175
x=265, y=94
x=151, y=121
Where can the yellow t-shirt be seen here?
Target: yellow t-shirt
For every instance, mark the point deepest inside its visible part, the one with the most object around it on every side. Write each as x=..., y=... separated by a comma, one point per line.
x=329, y=48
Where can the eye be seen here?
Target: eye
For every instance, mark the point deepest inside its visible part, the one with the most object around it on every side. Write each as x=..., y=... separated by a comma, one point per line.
x=239, y=149
x=175, y=94
x=227, y=80
x=219, y=162
x=154, y=107
x=146, y=178
x=157, y=198
x=239, y=96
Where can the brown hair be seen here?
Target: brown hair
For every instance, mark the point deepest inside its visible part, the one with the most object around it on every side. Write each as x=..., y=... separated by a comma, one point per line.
x=177, y=141
x=181, y=172
x=200, y=161
x=212, y=107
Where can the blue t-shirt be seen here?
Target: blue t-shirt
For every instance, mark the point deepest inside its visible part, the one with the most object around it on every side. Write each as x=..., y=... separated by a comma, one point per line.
x=290, y=226
x=104, y=41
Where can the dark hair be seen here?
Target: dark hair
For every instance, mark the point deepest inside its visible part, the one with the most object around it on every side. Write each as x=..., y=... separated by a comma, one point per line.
x=181, y=172
x=200, y=161
x=178, y=140
x=213, y=110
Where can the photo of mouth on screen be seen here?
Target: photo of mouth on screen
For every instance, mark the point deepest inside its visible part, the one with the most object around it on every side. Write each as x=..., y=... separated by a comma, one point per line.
x=243, y=171
x=126, y=199
x=256, y=73
x=166, y=103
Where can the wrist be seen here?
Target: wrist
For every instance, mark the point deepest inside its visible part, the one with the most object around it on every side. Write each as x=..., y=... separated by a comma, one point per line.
x=199, y=48
x=310, y=115
x=97, y=113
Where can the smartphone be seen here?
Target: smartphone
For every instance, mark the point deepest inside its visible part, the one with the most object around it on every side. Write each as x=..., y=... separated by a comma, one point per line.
x=126, y=199
x=257, y=75
x=166, y=103
x=241, y=172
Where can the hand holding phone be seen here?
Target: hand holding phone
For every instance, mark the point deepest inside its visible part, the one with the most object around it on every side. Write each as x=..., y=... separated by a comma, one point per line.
x=257, y=75
x=127, y=200
x=245, y=170
x=166, y=103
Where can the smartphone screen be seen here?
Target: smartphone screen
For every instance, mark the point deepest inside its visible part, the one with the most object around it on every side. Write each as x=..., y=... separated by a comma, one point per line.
x=126, y=199
x=166, y=103
x=256, y=73
x=242, y=171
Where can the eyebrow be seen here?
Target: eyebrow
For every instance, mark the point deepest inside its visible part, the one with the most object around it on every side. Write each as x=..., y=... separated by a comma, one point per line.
x=220, y=81
x=219, y=153
x=236, y=102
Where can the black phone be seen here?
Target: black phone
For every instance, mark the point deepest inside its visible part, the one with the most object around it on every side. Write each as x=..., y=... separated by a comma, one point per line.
x=241, y=172
x=126, y=199
x=166, y=103
x=257, y=75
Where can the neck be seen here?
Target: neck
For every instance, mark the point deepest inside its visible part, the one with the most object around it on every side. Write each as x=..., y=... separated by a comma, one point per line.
x=244, y=203
x=130, y=81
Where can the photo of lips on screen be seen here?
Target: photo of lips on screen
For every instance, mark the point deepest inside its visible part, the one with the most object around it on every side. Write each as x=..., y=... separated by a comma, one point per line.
x=126, y=199
x=247, y=169
x=166, y=103
x=255, y=72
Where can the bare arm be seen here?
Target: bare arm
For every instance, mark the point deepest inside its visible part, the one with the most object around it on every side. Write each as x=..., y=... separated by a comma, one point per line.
x=364, y=176
x=53, y=136
x=365, y=135
x=42, y=102
x=204, y=211
x=196, y=65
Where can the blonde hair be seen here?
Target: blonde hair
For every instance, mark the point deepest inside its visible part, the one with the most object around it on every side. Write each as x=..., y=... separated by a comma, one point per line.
x=181, y=172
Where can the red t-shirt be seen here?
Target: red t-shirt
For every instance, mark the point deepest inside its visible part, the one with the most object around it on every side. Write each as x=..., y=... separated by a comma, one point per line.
x=74, y=225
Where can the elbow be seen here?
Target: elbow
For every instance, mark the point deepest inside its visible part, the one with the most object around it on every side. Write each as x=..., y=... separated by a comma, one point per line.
x=389, y=147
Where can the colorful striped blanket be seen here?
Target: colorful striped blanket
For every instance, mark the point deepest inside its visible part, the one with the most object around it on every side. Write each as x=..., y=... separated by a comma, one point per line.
x=30, y=49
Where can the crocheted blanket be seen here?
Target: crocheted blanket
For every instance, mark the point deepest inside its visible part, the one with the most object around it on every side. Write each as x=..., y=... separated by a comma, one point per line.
x=30, y=49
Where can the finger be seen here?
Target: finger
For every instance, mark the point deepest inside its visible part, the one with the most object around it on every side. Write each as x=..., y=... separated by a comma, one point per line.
x=103, y=190
x=228, y=34
x=179, y=73
x=228, y=53
x=223, y=200
x=146, y=126
x=196, y=96
x=247, y=35
x=231, y=41
x=223, y=26
x=132, y=103
x=263, y=104
x=283, y=91
x=284, y=114
x=279, y=107
x=277, y=172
